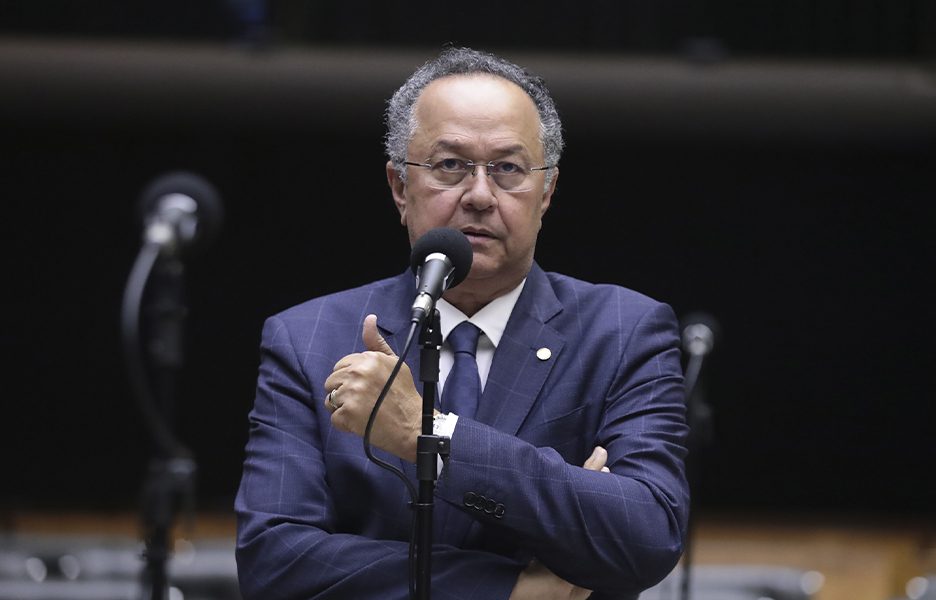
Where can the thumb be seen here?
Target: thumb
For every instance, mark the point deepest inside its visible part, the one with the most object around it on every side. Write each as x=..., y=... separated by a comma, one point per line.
x=372, y=339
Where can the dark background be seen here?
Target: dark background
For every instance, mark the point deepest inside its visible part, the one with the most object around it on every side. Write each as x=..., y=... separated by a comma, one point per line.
x=770, y=163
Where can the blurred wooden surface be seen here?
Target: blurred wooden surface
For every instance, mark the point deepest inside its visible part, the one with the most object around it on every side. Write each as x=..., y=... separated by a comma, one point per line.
x=859, y=558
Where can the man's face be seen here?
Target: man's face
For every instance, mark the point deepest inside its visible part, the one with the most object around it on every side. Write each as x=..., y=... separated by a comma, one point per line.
x=477, y=118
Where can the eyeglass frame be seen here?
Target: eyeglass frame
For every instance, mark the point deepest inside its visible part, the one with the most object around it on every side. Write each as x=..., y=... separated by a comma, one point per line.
x=474, y=167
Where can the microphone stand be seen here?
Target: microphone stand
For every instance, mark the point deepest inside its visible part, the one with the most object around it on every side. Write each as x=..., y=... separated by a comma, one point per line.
x=699, y=417
x=428, y=448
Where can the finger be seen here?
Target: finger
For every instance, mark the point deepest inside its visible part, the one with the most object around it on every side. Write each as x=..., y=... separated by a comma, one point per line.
x=345, y=361
x=597, y=460
x=372, y=339
x=580, y=593
x=333, y=382
x=605, y=470
x=331, y=403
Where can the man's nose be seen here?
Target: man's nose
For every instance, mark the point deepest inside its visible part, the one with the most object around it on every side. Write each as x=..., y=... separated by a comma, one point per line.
x=479, y=194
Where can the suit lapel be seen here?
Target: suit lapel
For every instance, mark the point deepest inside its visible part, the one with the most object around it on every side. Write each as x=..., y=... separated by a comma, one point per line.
x=524, y=358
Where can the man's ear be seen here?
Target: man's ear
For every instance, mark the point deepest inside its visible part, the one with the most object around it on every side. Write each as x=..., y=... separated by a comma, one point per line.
x=397, y=188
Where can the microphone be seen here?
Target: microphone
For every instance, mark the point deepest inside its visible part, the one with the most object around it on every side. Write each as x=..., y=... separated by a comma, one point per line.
x=699, y=334
x=698, y=340
x=441, y=259
x=180, y=212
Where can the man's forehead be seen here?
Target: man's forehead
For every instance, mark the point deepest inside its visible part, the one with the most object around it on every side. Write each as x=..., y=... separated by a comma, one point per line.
x=474, y=88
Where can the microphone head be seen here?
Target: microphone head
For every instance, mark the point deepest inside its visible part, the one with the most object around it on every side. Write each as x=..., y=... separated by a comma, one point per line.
x=450, y=242
x=699, y=332
x=189, y=193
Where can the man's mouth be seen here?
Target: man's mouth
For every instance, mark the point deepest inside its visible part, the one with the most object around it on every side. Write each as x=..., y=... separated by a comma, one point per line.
x=476, y=235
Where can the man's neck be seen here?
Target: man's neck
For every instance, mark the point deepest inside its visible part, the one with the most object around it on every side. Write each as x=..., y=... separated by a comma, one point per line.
x=470, y=301
x=469, y=306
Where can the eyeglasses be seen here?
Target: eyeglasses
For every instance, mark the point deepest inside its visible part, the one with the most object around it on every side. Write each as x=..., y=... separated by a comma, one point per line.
x=448, y=173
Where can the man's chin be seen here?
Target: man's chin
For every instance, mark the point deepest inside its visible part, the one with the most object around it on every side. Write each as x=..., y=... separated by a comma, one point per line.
x=482, y=268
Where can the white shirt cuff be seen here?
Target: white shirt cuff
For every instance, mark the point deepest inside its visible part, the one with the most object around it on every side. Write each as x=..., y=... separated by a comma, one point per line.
x=443, y=425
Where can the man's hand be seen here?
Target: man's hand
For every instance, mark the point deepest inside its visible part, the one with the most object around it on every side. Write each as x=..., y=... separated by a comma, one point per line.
x=536, y=582
x=355, y=384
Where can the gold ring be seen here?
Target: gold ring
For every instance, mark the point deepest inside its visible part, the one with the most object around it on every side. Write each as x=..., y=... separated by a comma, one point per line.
x=331, y=400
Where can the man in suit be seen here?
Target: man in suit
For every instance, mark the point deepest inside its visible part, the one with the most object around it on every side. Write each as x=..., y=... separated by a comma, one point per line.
x=564, y=477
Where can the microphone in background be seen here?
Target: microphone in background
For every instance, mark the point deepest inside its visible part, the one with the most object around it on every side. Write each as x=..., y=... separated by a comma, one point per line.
x=699, y=332
x=441, y=259
x=181, y=211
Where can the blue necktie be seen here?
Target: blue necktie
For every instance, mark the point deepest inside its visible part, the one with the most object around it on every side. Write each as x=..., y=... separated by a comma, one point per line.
x=463, y=385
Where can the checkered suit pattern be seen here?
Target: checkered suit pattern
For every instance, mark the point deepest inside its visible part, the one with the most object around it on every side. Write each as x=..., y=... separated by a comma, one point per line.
x=317, y=520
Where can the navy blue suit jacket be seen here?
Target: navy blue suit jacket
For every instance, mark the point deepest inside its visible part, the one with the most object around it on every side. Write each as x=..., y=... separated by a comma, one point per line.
x=316, y=519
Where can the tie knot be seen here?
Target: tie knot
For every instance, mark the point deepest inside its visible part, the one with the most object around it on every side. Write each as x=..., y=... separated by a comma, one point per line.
x=464, y=338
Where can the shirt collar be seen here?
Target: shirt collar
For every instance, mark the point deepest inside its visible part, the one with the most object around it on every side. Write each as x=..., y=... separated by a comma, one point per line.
x=492, y=319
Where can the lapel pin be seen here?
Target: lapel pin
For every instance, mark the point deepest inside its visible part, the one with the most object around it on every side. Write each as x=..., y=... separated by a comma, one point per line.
x=543, y=353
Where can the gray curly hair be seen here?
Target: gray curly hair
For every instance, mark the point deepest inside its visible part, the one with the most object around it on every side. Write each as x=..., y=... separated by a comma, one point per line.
x=401, y=115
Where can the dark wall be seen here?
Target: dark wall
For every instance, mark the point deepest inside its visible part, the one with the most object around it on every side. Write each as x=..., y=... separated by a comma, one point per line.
x=814, y=253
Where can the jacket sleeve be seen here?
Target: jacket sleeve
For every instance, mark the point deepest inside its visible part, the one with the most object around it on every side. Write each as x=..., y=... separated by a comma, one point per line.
x=616, y=533
x=288, y=546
